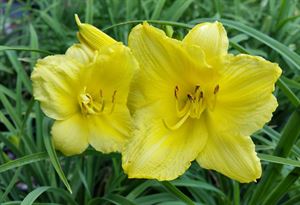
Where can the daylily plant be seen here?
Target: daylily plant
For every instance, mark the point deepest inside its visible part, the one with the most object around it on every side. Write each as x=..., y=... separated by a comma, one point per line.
x=85, y=91
x=191, y=100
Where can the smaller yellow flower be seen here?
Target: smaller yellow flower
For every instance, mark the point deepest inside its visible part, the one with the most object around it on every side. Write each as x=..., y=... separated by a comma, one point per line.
x=192, y=100
x=85, y=91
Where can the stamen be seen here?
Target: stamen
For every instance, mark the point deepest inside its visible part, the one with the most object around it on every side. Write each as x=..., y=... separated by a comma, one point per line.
x=194, y=105
x=214, y=100
x=178, y=124
x=93, y=106
x=190, y=97
x=197, y=88
x=181, y=112
x=102, y=105
x=216, y=90
x=175, y=91
x=200, y=96
x=113, y=96
x=113, y=101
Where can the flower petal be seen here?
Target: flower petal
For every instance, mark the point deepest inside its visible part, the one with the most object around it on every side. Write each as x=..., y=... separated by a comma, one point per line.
x=80, y=53
x=245, y=101
x=164, y=64
x=211, y=37
x=91, y=36
x=108, y=133
x=155, y=152
x=111, y=72
x=160, y=56
x=70, y=136
x=54, y=80
x=233, y=156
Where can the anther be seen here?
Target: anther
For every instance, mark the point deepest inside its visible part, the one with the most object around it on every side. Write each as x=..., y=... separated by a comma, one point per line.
x=175, y=91
x=200, y=96
x=113, y=96
x=102, y=106
x=101, y=94
x=197, y=88
x=190, y=97
x=216, y=90
x=113, y=101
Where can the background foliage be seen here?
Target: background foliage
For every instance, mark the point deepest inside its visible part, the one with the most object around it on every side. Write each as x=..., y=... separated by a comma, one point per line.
x=31, y=172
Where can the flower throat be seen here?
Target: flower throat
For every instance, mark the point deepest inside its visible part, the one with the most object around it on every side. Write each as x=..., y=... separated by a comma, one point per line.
x=96, y=105
x=193, y=104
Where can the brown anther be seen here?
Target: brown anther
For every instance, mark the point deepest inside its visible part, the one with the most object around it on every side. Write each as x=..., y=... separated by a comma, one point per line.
x=200, y=96
x=175, y=91
x=216, y=89
x=101, y=94
x=190, y=97
x=197, y=88
x=113, y=96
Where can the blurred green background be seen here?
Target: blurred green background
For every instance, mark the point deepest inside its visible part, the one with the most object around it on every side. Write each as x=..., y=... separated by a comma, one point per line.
x=31, y=172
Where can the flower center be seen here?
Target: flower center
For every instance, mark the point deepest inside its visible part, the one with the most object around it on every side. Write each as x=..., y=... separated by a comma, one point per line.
x=95, y=105
x=193, y=104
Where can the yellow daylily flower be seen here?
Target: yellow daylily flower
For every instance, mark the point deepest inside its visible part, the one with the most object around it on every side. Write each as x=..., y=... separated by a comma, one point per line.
x=191, y=100
x=85, y=91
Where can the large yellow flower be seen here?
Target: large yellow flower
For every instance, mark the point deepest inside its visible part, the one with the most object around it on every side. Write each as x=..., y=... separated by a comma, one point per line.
x=86, y=92
x=192, y=100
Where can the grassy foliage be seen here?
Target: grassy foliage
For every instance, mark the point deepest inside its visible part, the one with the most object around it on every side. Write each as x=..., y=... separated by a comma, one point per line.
x=31, y=171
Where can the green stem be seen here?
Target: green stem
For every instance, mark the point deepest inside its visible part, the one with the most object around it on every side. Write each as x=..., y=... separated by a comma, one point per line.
x=236, y=192
x=282, y=188
x=294, y=200
x=288, y=138
x=288, y=92
x=171, y=23
x=174, y=190
x=23, y=48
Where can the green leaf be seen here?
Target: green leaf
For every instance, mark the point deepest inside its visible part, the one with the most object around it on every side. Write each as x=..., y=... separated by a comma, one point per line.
x=53, y=157
x=158, y=9
x=272, y=43
x=32, y=196
x=11, y=184
x=196, y=184
x=34, y=43
x=236, y=192
x=279, y=160
x=140, y=189
x=118, y=199
x=23, y=48
x=288, y=138
x=282, y=187
x=151, y=199
x=10, y=110
x=89, y=14
x=28, y=159
x=288, y=92
x=53, y=24
x=177, y=9
x=20, y=70
x=176, y=192
x=6, y=122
